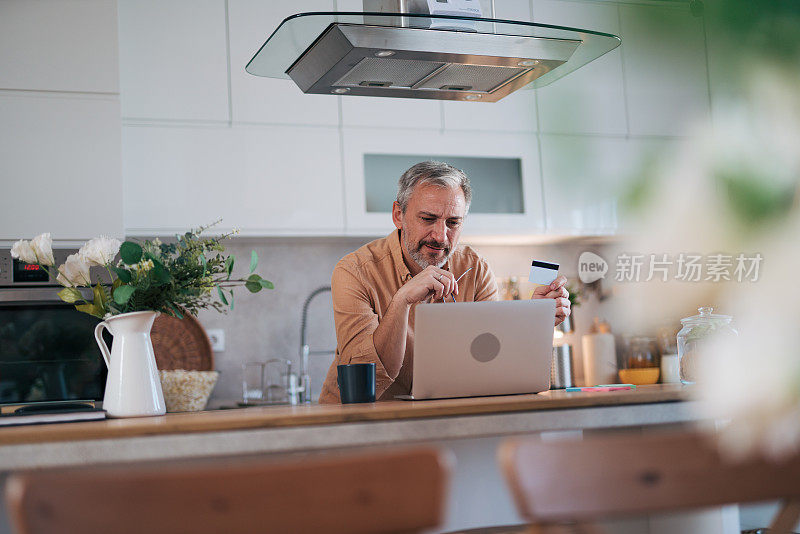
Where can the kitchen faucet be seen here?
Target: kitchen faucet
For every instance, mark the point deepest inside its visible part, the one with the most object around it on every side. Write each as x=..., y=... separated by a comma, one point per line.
x=305, y=352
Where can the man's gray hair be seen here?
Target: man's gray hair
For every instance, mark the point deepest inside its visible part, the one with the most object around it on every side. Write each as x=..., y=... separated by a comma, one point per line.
x=435, y=173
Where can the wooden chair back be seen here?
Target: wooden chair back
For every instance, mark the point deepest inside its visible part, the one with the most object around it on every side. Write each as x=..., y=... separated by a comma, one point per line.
x=372, y=493
x=601, y=477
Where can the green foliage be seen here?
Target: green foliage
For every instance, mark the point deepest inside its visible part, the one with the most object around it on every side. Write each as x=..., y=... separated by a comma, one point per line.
x=122, y=274
x=98, y=307
x=175, y=311
x=86, y=308
x=756, y=201
x=130, y=252
x=768, y=29
x=222, y=296
x=575, y=295
x=186, y=276
x=70, y=295
x=123, y=294
x=229, y=266
x=255, y=283
x=253, y=261
x=252, y=283
x=101, y=301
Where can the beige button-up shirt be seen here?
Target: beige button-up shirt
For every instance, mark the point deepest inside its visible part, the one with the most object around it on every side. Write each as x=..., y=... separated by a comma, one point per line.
x=363, y=284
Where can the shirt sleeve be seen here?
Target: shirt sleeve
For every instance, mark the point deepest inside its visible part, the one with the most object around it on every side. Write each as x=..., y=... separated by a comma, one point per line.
x=485, y=282
x=356, y=322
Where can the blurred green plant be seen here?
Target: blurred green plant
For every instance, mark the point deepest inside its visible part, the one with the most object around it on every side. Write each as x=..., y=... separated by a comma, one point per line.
x=756, y=202
x=768, y=29
x=745, y=40
x=575, y=295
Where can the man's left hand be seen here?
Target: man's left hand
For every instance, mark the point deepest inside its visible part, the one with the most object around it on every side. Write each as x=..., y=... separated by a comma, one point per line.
x=556, y=290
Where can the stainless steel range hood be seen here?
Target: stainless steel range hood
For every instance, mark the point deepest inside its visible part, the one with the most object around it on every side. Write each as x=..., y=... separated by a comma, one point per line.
x=420, y=55
x=416, y=63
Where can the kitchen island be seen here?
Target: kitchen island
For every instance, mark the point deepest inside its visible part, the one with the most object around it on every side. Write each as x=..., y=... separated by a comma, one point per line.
x=470, y=428
x=276, y=429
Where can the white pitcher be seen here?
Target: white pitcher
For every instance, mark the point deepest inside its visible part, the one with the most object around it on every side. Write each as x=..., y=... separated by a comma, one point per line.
x=133, y=388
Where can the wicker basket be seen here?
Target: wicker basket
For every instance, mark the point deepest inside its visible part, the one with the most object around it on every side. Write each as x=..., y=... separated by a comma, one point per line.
x=181, y=344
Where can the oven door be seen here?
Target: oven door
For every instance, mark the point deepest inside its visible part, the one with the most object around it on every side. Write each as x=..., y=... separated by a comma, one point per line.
x=47, y=349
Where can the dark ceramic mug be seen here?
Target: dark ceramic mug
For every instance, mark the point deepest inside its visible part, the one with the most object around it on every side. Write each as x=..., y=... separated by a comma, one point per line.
x=356, y=382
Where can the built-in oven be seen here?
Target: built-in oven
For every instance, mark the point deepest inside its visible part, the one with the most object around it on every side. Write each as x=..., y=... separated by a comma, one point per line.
x=48, y=354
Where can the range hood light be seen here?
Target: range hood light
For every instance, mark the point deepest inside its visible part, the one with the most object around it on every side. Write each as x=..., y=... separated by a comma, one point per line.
x=341, y=90
x=384, y=53
x=472, y=97
x=528, y=63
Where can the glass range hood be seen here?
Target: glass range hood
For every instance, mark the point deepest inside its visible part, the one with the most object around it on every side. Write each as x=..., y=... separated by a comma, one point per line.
x=409, y=55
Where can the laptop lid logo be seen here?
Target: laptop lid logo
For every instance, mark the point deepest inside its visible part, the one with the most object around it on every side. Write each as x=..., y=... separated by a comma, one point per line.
x=485, y=347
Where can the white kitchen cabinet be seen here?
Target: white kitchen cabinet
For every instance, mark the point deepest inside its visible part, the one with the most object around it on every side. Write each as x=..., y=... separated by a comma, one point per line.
x=59, y=45
x=173, y=60
x=665, y=69
x=590, y=100
x=266, y=181
x=377, y=112
x=175, y=178
x=585, y=178
x=358, y=142
x=256, y=99
x=514, y=113
x=59, y=162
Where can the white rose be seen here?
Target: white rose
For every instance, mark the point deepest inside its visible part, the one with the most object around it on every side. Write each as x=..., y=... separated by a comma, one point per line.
x=23, y=251
x=100, y=250
x=43, y=247
x=75, y=272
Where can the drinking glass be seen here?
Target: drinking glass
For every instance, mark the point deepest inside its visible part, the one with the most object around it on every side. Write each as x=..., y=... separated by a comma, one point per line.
x=253, y=381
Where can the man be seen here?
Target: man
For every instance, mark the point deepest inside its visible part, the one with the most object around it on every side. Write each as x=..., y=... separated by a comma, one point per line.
x=376, y=288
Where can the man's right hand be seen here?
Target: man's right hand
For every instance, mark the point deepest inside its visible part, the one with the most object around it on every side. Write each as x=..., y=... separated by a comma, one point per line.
x=431, y=282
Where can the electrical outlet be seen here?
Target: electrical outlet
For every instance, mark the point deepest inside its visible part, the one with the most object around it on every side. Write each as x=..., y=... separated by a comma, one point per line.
x=217, y=338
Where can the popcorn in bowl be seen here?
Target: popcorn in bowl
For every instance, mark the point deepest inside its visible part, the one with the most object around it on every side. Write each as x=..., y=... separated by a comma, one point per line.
x=187, y=391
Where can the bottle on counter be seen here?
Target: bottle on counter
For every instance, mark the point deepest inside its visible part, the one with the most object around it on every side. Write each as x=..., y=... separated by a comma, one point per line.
x=599, y=355
x=510, y=288
x=668, y=345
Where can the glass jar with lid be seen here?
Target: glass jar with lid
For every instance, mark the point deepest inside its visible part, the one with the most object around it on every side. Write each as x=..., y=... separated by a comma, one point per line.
x=693, y=339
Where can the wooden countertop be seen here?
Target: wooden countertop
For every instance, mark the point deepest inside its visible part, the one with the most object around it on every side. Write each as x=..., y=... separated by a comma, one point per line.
x=294, y=416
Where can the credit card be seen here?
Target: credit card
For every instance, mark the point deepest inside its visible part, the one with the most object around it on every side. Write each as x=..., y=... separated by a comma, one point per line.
x=543, y=273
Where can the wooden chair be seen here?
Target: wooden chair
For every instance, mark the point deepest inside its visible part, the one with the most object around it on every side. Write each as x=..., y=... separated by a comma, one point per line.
x=373, y=493
x=580, y=482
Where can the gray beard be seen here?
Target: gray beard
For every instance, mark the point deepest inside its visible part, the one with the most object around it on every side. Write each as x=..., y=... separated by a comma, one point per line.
x=419, y=258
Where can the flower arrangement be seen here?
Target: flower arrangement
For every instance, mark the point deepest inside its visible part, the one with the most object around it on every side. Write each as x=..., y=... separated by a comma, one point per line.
x=174, y=278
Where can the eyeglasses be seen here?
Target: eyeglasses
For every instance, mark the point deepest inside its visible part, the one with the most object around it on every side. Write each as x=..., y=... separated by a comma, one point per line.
x=457, y=279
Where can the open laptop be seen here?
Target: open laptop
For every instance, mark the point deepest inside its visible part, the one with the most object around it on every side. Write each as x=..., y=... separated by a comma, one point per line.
x=482, y=348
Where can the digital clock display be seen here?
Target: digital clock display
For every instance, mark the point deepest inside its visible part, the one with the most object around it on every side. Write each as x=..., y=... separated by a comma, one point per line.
x=25, y=272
